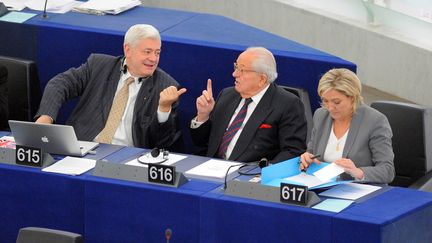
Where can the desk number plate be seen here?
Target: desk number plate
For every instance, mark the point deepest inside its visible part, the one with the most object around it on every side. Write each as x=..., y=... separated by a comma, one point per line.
x=162, y=174
x=290, y=193
x=28, y=156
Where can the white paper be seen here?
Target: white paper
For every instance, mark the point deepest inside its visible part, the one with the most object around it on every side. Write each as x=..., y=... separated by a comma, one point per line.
x=351, y=191
x=172, y=159
x=306, y=179
x=15, y=5
x=71, y=166
x=330, y=171
x=106, y=6
x=53, y=6
x=213, y=169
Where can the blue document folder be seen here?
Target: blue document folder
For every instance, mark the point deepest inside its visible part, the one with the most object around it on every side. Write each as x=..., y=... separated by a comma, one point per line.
x=274, y=175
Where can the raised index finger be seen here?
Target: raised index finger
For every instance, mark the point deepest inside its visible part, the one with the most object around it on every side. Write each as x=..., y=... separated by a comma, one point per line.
x=209, y=87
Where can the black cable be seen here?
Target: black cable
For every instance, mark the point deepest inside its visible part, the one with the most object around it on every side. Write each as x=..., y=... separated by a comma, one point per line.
x=261, y=164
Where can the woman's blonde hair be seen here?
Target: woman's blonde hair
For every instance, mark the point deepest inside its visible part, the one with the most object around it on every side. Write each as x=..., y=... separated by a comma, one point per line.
x=344, y=81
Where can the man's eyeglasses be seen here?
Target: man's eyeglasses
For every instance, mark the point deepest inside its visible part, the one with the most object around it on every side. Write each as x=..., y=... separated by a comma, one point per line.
x=242, y=70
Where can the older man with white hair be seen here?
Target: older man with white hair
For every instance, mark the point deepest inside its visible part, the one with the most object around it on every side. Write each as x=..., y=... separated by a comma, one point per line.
x=253, y=120
x=124, y=100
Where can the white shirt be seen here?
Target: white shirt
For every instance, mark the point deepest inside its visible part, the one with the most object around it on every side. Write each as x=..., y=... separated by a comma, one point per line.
x=335, y=147
x=251, y=107
x=123, y=134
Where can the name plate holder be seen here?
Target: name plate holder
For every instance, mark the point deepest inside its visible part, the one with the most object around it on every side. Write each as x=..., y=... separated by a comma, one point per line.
x=257, y=191
x=132, y=173
x=8, y=156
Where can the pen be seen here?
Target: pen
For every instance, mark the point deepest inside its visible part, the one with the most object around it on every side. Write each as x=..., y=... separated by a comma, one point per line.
x=313, y=157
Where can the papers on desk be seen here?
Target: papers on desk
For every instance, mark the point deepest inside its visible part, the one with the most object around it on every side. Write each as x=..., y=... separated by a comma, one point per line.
x=17, y=17
x=351, y=191
x=333, y=205
x=14, y=5
x=71, y=166
x=172, y=159
x=306, y=179
x=316, y=176
x=213, y=169
x=53, y=6
x=101, y=7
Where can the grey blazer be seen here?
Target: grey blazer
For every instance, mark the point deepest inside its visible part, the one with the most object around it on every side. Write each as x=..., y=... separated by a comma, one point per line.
x=368, y=143
x=95, y=83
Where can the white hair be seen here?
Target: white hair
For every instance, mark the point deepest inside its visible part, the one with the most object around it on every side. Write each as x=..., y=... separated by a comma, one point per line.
x=265, y=63
x=140, y=31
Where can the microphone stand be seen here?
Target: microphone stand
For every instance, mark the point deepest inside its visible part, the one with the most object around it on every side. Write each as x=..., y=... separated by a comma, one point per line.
x=44, y=15
x=226, y=174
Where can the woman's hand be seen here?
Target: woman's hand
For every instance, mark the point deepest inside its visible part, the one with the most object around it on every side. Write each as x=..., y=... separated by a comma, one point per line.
x=350, y=168
x=306, y=159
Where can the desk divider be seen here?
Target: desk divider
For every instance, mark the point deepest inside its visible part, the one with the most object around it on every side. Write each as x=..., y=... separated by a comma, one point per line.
x=264, y=193
x=108, y=169
x=8, y=156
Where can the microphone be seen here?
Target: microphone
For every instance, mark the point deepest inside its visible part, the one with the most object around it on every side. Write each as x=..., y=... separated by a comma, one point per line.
x=168, y=233
x=45, y=16
x=226, y=174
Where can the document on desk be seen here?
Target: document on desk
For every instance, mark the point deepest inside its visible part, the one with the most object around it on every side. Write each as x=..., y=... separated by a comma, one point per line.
x=14, y=5
x=333, y=205
x=101, y=7
x=17, y=17
x=53, y=6
x=213, y=169
x=330, y=171
x=351, y=191
x=172, y=159
x=71, y=166
x=306, y=179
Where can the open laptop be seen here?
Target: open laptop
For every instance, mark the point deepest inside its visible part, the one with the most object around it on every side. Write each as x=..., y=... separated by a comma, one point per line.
x=51, y=138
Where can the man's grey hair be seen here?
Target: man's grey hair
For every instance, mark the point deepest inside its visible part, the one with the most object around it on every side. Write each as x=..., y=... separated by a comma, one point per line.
x=265, y=63
x=141, y=31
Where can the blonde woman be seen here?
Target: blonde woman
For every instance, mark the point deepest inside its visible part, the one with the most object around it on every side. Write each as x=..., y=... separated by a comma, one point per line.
x=350, y=133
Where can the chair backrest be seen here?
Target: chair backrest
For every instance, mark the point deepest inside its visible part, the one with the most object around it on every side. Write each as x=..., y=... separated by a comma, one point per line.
x=44, y=235
x=4, y=104
x=24, y=92
x=304, y=97
x=412, y=139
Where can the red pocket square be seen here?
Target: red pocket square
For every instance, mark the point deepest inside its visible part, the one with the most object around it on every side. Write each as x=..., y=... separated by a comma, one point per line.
x=265, y=126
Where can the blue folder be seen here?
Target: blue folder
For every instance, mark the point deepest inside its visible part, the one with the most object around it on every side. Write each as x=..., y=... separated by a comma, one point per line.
x=273, y=175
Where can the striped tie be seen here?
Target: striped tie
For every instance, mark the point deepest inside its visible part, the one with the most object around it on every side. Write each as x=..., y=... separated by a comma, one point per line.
x=232, y=129
x=116, y=113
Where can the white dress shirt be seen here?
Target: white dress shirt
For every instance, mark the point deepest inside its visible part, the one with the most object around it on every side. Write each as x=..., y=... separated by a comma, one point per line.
x=123, y=134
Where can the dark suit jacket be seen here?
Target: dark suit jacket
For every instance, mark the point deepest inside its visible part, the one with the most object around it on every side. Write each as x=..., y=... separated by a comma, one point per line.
x=284, y=138
x=95, y=82
x=4, y=104
x=368, y=143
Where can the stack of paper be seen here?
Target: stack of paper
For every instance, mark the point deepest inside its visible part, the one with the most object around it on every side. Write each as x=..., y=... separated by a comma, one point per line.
x=71, y=166
x=53, y=6
x=14, y=5
x=101, y=7
x=213, y=169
